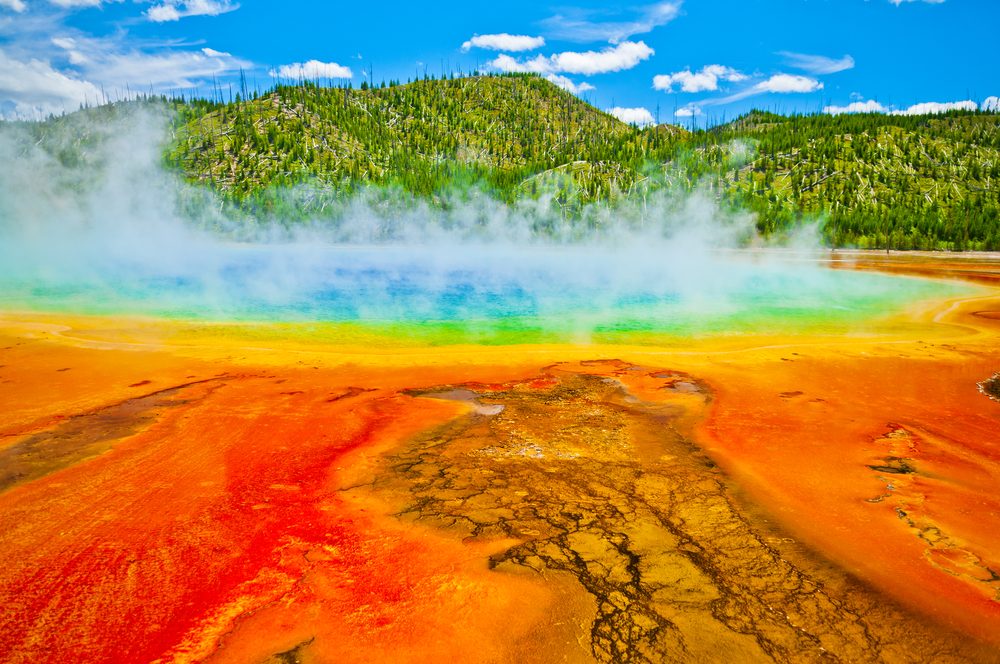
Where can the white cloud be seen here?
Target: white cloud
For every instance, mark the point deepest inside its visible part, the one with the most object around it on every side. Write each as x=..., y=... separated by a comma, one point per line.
x=32, y=88
x=817, y=64
x=930, y=2
x=107, y=62
x=788, y=83
x=568, y=85
x=614, y=58
x=623, y=56
x=504, y=42
x=72, y=4
x=14, y=5
x=870, y=106
x=51, y=67
x=780, y=83
x=167, y=70
x=687, y=112
x=634, y=116
x=174, y=10
x=311, y=70
x=68, y=44
x=577, y=25
x=931, y=107
x=706, y=79
x=925, y=108
x=991, y=104
x=507, y=63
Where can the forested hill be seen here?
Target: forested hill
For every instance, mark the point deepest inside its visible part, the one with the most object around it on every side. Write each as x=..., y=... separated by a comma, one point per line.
x=928, y=182
x=424, y=136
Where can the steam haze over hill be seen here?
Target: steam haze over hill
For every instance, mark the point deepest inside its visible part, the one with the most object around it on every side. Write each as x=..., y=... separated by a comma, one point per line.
x=90, y=218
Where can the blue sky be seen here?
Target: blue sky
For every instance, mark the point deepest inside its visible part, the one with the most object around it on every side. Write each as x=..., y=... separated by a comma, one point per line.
x=686, y=61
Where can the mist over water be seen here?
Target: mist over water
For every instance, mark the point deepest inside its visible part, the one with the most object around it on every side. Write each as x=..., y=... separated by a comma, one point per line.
x=94, y=227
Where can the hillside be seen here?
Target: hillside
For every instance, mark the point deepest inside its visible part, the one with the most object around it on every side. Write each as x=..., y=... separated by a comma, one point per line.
x=927, y=182
x=923, y=181
x=423, y=136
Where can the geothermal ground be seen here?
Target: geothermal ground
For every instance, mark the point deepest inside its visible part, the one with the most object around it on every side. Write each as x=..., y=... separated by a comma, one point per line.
x=180, y=492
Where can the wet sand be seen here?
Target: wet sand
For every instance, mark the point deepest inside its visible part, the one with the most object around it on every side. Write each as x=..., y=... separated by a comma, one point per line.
x=172, y=492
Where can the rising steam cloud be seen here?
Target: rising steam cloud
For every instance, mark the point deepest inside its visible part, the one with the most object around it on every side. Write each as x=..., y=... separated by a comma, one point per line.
x=105, y=228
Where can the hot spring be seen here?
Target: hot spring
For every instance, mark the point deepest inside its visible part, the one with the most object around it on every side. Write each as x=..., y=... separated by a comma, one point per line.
x=479, y=294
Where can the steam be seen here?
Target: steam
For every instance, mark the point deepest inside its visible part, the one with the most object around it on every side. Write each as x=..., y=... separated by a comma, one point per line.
x=93, y=222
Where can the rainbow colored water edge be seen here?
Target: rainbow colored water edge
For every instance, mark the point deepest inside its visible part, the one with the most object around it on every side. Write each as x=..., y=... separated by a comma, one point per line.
x=339, y=294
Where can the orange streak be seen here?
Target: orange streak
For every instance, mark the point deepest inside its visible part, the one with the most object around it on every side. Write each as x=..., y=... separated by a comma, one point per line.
x=800, y=428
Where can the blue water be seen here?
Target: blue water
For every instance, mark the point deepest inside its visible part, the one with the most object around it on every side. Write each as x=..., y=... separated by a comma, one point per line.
x=567, y=292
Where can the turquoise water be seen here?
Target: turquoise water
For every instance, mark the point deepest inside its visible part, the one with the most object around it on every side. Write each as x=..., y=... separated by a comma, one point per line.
x=482, y=295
